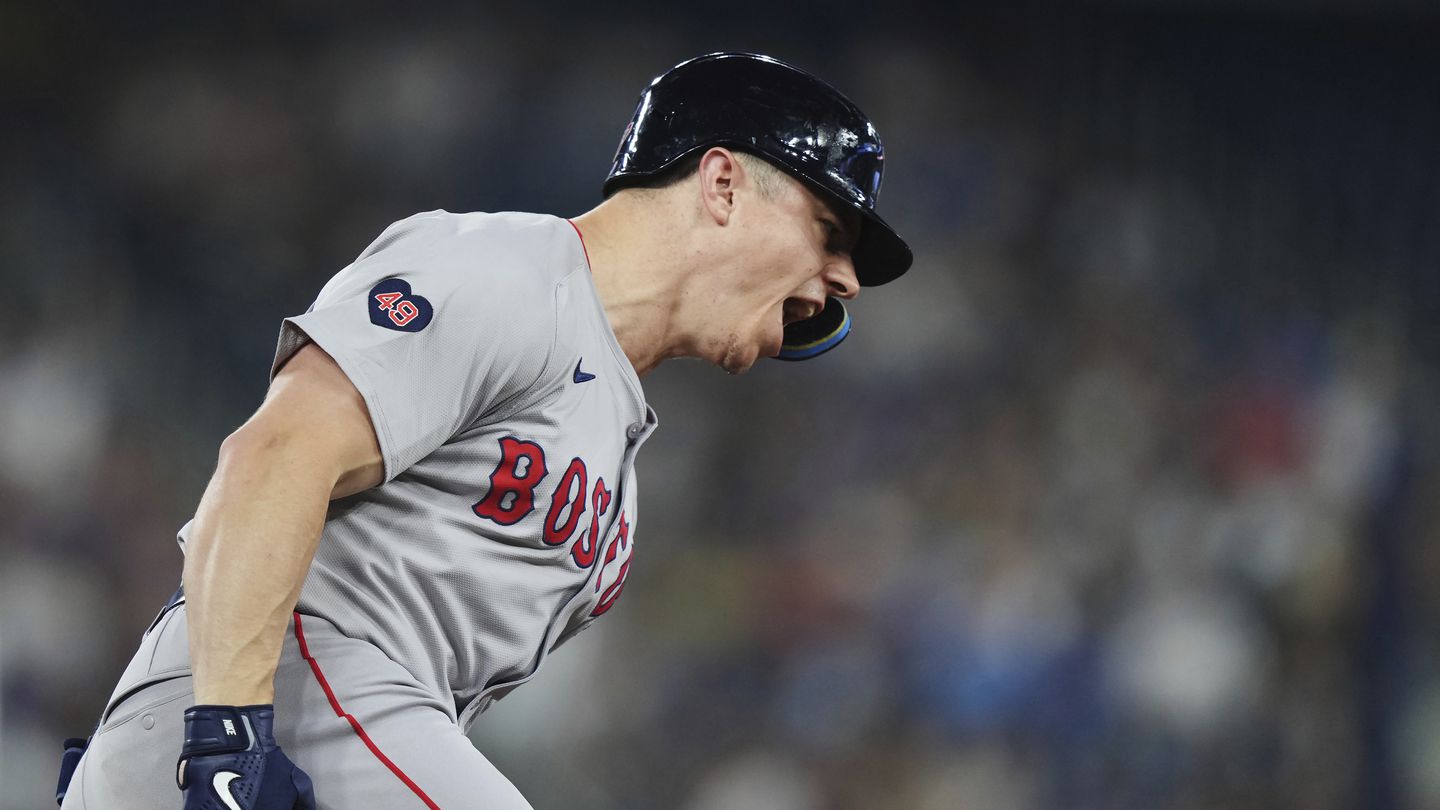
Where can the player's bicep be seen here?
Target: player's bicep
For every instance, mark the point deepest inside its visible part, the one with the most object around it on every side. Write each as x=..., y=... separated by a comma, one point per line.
x=314, y=408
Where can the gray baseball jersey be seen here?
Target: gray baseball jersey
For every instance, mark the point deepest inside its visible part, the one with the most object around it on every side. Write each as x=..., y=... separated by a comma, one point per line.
x=509, y=418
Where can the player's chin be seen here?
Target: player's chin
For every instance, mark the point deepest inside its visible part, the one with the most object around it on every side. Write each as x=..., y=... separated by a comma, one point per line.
x=740, y=357
x=737, y=361
x=744, y=349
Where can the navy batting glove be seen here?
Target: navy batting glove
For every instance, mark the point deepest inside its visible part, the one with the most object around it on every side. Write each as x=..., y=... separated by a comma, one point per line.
x=231, y=762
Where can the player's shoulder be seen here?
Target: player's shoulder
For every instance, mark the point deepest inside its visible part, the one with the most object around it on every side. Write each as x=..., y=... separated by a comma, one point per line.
x=539, y=248
x=508, y=265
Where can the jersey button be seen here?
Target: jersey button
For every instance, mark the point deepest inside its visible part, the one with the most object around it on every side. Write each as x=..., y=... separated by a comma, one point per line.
x=635, y=430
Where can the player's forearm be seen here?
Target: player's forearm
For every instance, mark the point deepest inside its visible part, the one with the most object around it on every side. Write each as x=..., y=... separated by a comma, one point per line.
x=254, y=536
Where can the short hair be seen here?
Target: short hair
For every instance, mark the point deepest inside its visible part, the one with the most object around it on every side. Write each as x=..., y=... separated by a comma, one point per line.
x=768, y=177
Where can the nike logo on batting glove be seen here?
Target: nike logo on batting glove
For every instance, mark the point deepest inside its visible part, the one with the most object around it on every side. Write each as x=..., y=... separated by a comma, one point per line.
x=221, y=783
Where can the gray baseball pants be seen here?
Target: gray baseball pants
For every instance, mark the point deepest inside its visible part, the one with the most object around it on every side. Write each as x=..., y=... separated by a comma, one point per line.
x=358, y=723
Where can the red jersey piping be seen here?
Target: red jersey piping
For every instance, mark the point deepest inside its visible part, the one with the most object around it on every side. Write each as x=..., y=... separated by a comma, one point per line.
x=588, y=265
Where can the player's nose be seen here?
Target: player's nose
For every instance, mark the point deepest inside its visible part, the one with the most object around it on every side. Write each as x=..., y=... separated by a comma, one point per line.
x=840, y=278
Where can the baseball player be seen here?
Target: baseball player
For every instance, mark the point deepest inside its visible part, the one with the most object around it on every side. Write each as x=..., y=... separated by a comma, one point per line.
x=438, y=489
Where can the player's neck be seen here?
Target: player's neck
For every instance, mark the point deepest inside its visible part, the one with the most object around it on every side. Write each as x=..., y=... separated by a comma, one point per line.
x=634, y=257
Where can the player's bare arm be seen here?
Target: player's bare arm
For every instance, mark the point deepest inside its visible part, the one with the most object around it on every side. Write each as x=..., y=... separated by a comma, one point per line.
x=260, y=520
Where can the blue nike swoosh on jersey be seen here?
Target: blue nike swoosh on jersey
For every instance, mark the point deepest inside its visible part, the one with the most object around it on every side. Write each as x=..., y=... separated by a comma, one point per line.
x=581, y=376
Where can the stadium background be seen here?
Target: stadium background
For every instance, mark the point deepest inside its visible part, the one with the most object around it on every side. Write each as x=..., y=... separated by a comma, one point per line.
x=1126, y=497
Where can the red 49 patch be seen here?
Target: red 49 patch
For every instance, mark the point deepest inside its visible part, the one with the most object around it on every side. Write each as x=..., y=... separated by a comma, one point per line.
x=394, y=305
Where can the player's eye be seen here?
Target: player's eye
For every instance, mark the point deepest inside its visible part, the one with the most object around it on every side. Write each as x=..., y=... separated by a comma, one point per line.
x=834, y=239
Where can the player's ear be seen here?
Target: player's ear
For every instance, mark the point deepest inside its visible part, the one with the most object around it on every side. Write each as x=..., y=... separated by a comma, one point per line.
x=718, y=172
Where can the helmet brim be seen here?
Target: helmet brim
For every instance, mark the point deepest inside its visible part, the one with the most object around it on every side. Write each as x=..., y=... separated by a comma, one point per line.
x=880, y=255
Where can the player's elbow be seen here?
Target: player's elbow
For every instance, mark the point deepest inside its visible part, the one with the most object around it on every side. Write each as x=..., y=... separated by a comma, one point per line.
x=263, y=449
x=249, y=447
x=317, y=455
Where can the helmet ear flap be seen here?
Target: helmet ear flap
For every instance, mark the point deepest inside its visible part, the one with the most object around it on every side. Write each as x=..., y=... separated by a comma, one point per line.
x=816, y=335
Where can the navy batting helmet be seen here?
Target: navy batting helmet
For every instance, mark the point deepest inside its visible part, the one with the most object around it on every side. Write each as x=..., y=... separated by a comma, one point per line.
x=795, y=121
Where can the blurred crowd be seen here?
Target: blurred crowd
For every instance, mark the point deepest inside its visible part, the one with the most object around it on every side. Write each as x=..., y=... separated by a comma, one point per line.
x=1125, y=497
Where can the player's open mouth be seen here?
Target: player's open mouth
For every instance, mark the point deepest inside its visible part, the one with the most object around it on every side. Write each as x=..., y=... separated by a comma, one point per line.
x=798, y=309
